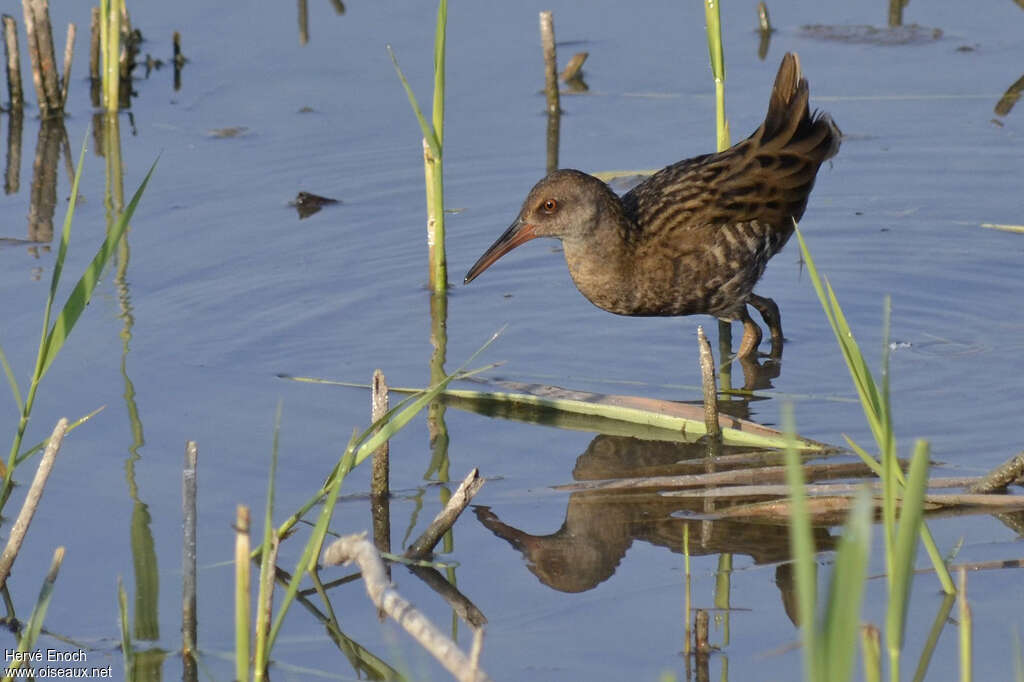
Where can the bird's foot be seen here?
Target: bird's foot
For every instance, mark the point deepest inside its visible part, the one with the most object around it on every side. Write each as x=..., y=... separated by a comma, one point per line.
x=770, y=314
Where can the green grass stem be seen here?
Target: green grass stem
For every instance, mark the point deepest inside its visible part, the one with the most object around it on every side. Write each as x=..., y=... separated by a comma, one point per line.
x=242, y=594
x=261, y=656
x=433, y=152
x=713, y=19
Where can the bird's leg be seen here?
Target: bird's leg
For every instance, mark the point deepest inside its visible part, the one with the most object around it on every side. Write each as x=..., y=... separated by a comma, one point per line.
x=751, y=334
x=770, y=313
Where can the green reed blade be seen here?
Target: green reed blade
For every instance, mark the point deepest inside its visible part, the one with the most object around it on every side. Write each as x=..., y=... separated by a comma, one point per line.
x=905, y=549
x=428, y=133
x=846, y=590
x=439, y=68
x=82, y=293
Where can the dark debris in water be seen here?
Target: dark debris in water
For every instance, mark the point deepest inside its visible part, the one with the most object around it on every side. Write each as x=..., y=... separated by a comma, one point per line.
x=229, y=132
x=911, y=34
x=307, y=203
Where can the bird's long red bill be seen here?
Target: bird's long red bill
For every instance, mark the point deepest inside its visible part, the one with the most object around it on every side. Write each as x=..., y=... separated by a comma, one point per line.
x=517, y=233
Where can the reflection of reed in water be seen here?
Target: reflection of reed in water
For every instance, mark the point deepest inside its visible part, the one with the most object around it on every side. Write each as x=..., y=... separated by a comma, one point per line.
x=12, y=174
x=43, y=193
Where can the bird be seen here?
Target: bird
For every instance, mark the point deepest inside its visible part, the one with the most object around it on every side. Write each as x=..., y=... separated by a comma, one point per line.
x=695, y=237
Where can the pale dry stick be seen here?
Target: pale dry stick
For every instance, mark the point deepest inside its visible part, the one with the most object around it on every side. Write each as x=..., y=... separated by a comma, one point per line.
x=736, y=477
x=69, y=49
x=188, y=503
x=821, y=489
x=14, y=91
x=379, y=486
x=360, y=550
x=424, y=544
x=547, y=43
x=474, y=653
x=969, y=500
x=707, y=375
x=28, y=507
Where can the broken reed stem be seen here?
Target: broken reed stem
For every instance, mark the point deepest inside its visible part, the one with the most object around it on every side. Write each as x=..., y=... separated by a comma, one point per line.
x=700, y=633
x=764, y=22
x=188, y=503
x=574, y=67
x=14, y=91
x=242, y=593
x=424, y=544
x=264, y=608
x=69, y=49
x=474, y=653
x=28, y=8
x=358, y=549
x=44, y=67
x=28, y=507
x=379, y=486
x=707, y=376
x=547, y=43
x=110, y=46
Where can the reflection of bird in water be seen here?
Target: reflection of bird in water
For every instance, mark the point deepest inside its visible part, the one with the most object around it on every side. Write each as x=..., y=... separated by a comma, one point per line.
x=599, y=527
x=696, y=236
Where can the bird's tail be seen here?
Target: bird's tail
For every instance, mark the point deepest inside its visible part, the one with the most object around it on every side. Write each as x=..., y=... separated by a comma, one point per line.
x=790, y=124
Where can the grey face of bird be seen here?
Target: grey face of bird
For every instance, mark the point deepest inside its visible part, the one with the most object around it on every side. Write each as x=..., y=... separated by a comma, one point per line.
x=566, y=205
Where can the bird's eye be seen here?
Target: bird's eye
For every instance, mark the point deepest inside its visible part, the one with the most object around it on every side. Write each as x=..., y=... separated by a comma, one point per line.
x=550, y=206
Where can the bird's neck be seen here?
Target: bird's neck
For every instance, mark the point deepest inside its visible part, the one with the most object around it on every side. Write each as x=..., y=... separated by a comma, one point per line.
x=600, y=260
